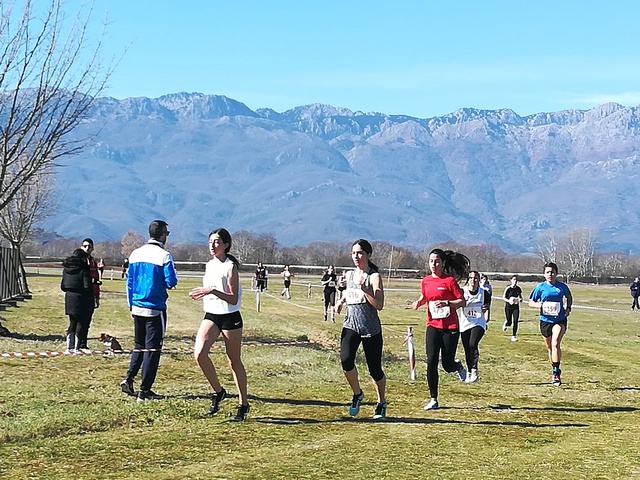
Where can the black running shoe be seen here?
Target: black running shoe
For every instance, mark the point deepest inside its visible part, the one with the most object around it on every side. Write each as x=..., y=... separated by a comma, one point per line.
x=143, y=396
x=381, y=411
x=127, y=387
x=215, y=401
x=243, y=411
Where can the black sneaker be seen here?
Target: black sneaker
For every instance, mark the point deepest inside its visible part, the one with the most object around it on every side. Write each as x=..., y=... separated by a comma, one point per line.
x=127, y=387
x=243, y=411
x=143, y=396
x=381, y=411
x=215, y=401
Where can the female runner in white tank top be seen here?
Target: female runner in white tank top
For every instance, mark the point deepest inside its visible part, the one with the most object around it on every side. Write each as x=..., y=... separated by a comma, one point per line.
x=221, y=298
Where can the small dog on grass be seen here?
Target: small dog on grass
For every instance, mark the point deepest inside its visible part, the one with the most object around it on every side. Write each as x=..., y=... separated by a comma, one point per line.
x=110, y=342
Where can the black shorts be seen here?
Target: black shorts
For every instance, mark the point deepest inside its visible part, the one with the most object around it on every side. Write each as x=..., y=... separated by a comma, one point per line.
x=546, y=328
x=225, y=321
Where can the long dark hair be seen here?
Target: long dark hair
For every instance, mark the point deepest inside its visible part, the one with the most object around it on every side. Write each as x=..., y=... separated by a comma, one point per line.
x=366, y=246
x=453, y=263
x=225, y=236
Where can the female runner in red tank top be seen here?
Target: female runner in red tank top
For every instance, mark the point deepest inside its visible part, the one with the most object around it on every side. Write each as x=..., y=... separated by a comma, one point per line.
x=443, y=296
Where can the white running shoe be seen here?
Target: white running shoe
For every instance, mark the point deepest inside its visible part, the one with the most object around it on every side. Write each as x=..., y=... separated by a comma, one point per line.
x=514, y=338
x=473, y=376
x=432, y=405
x=505, y=326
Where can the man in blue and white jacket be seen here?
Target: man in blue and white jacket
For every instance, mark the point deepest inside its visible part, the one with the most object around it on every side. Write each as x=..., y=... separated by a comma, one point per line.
x=151, y=273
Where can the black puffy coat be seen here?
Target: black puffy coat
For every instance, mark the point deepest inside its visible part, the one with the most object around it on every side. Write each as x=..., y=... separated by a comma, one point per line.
x=76, y=283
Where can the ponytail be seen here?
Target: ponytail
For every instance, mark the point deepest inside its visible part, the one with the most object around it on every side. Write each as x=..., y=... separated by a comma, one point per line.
x=454, y=263
x=225, y=236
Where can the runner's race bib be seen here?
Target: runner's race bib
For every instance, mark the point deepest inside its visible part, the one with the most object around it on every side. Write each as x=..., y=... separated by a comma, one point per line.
x=439, y=312
x=332, y=284
x=472, y=311
x=551, y=309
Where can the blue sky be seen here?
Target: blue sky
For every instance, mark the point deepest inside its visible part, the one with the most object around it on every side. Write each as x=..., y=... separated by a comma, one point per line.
x=419, y=58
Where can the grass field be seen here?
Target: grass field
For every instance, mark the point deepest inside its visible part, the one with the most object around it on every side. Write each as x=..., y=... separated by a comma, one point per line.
x=65, y=417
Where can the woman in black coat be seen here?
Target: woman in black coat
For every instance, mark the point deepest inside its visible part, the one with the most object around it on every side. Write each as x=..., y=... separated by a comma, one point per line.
x=78, y=298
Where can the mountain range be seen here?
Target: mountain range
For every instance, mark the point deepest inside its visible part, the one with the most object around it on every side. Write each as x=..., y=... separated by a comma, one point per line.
x=323, y=173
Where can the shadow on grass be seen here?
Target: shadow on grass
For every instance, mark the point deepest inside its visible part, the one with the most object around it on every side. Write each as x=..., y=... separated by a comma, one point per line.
x=295, y=401
x=412, y=421
x=604, y=409
x=36, y=338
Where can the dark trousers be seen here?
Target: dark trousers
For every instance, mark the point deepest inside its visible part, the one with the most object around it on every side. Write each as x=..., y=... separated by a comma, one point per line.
x=78, y=328
x=148, y=334
x=445, y=342
x=512, y=315
x=470, y=341
x=635, y=303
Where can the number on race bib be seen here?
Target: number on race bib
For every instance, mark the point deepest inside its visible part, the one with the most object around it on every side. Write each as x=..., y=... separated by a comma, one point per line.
x=551, y=309
x=439, y=312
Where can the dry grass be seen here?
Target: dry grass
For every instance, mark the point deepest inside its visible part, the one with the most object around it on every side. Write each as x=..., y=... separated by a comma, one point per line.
x=66, y=417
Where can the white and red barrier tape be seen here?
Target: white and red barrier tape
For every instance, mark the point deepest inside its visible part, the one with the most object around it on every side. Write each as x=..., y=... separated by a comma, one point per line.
x=141, y=350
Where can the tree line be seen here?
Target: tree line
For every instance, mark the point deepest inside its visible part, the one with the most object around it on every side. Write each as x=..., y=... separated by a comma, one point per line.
x=575, y=253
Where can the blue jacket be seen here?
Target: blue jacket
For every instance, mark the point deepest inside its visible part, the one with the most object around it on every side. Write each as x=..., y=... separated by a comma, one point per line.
x=151, y=273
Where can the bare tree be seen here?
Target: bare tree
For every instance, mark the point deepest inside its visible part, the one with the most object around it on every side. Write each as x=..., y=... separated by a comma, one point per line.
x=130, y=241
x=244, y=247
x=30, y=205
x=578, y=251
x=50, y=77
x=612, y=264
x=547, y=248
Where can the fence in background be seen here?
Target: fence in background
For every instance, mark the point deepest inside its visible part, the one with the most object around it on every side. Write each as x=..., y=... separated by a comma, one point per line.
x=12, y=286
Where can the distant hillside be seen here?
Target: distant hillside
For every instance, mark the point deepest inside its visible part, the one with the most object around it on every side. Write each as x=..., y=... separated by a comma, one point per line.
x=319, y=172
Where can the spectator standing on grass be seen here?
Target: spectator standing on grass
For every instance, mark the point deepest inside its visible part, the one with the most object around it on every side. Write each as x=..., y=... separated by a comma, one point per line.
x=635, y=292
x=512, y=297
x=87, y=246
x=100, y=265
x=287, y=275
x=125, y=267
x=261, y=277
x=77, y=286
x=364, y=297
x=443, y=296
x=328, y=282
x=221, y=296
x=473, y=323
x=550, y=297
x=151, y=273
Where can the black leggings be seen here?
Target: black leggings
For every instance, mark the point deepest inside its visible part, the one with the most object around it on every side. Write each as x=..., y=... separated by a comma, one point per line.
x=470, y=341
x=512, y=315
x=445, y=341
x=372, y=346
x=329, y=298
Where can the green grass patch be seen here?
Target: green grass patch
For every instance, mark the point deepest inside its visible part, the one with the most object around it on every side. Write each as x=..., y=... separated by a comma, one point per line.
x=65, y=417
